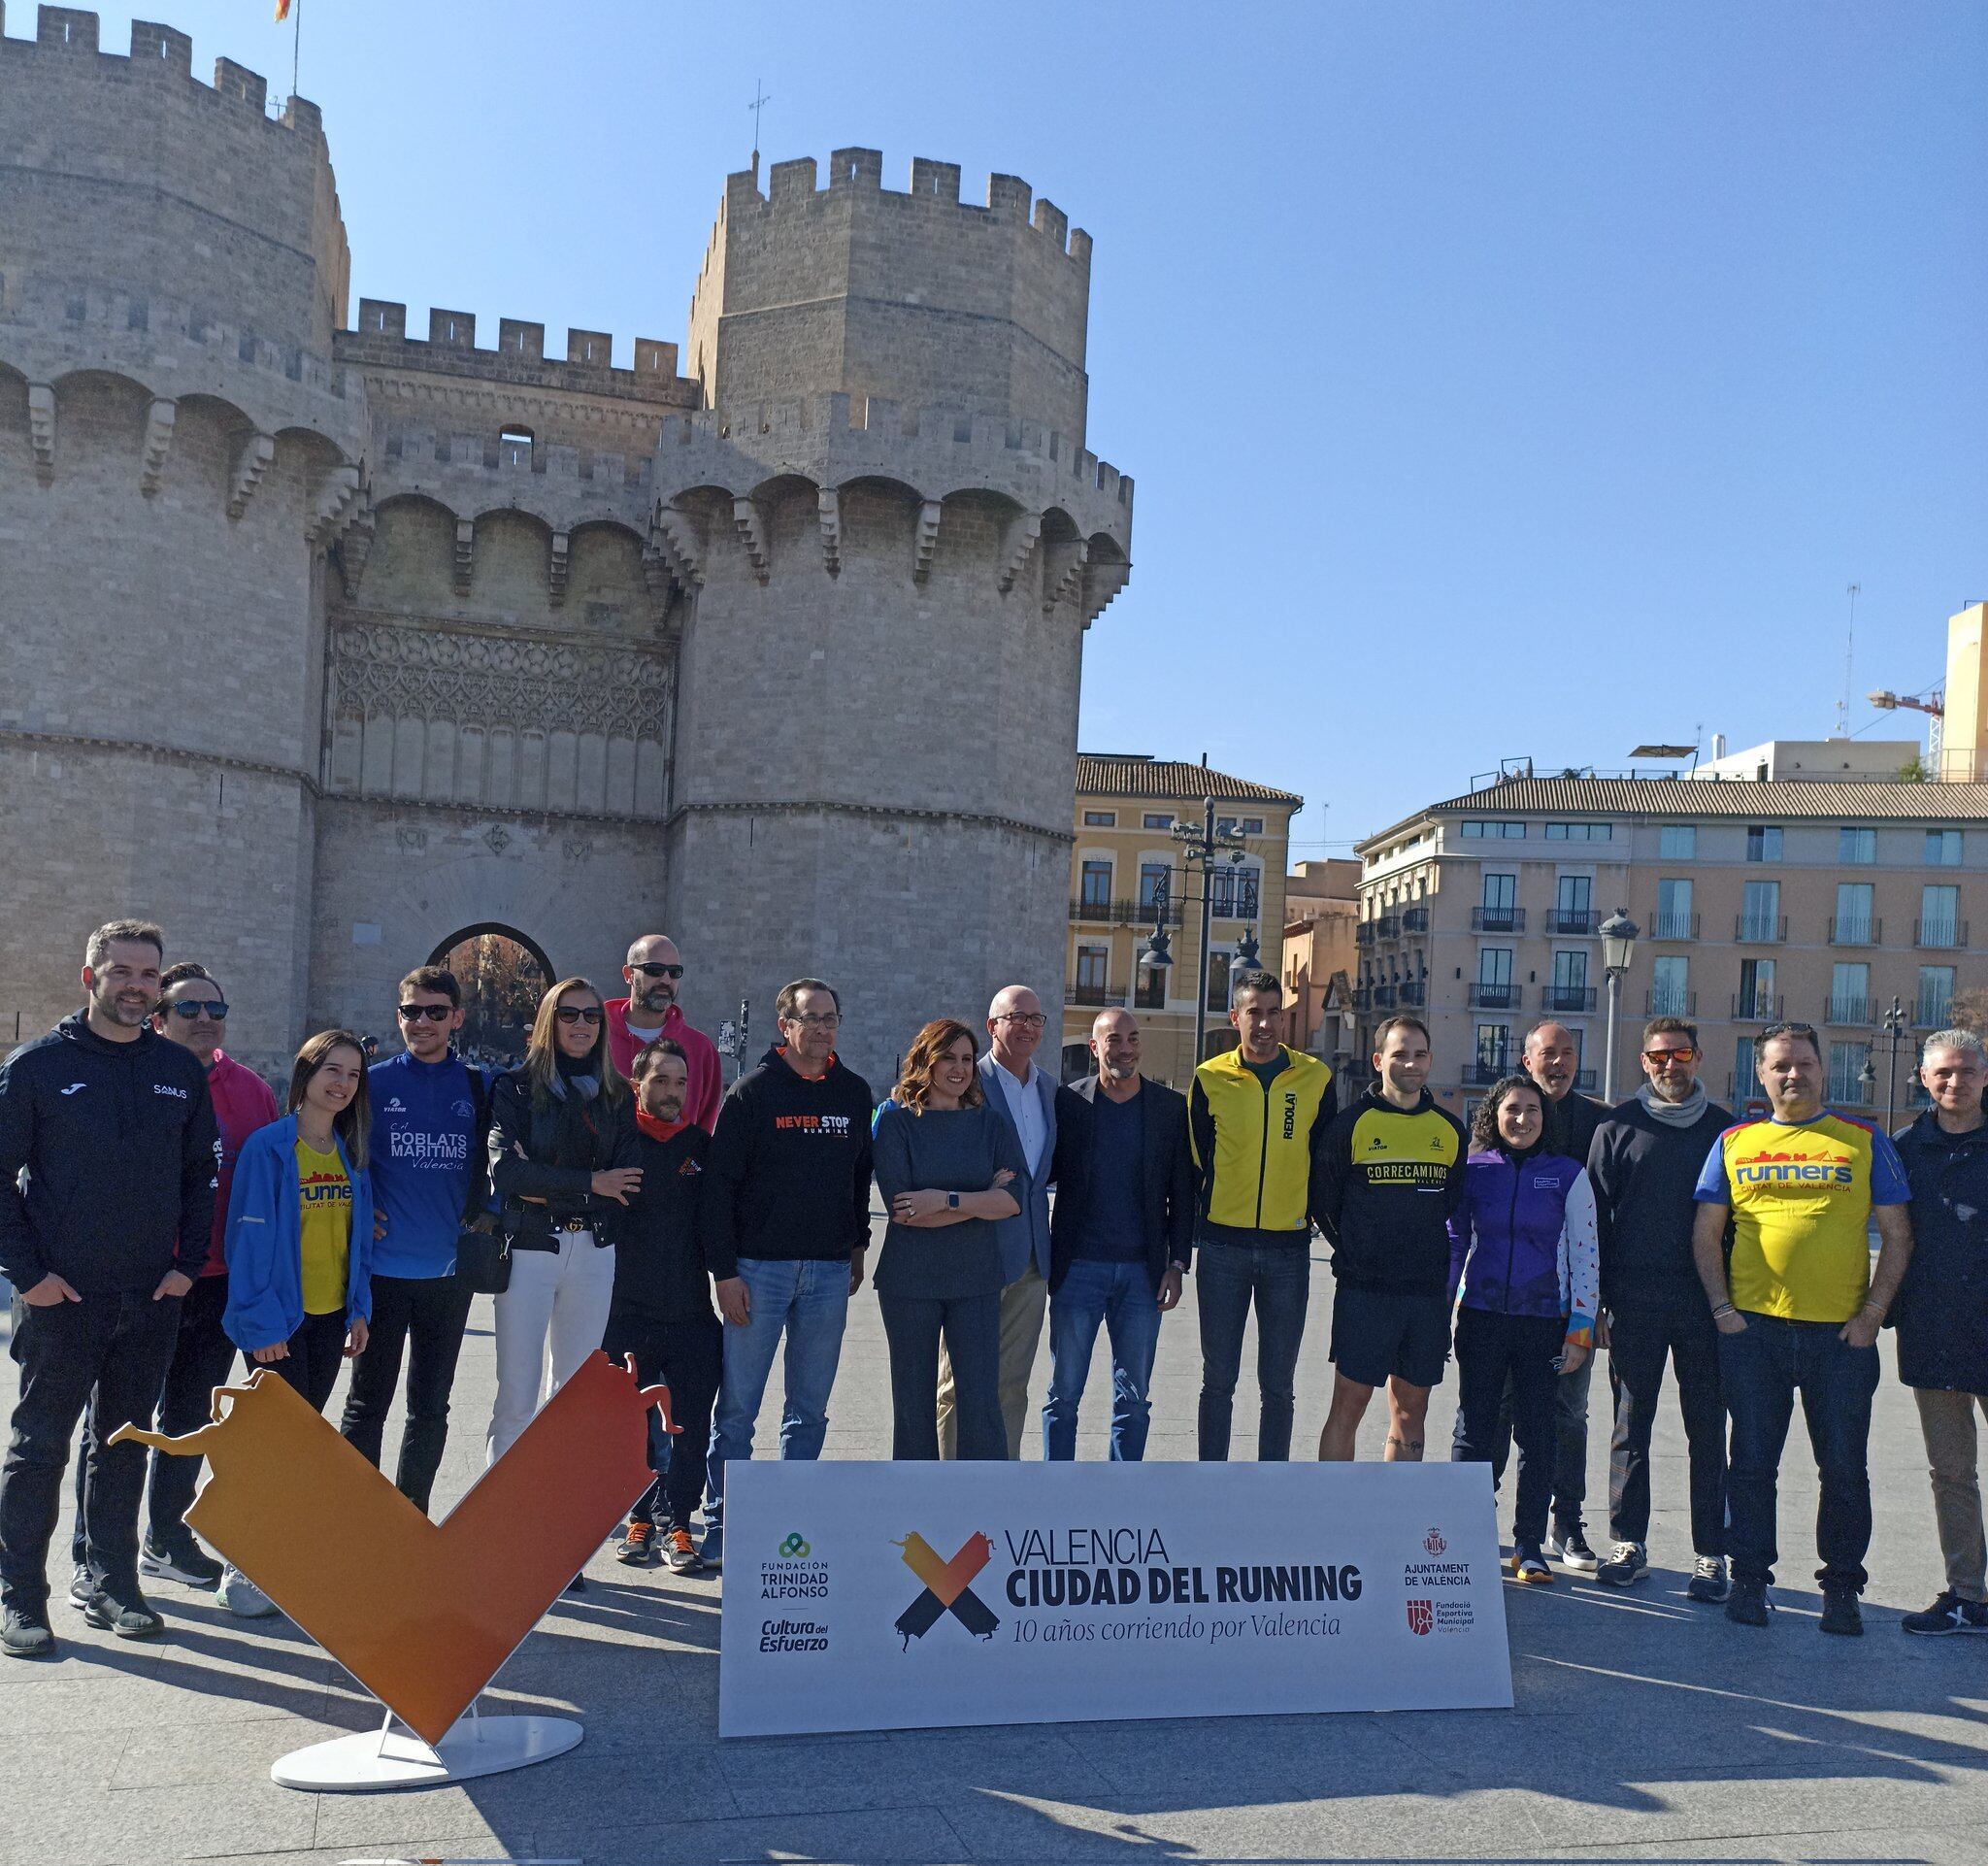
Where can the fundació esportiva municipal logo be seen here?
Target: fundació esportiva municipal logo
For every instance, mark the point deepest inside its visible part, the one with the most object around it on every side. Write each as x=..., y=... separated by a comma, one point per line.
x=1421, y=1616
x=947, y=1588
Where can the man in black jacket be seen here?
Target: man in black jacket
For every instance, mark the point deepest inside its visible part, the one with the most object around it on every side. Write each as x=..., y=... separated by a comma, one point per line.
x=107, y=1158
x=1643, y=1167
x=787, y=1222
x=1120, y=1238
x=662, y=1314
x=1941, y=1315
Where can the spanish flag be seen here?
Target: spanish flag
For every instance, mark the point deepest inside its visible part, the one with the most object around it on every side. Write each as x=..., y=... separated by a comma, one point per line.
x=283, y=10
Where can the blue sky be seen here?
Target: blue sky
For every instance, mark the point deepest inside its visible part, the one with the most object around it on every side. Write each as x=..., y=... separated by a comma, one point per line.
x=1498, y=378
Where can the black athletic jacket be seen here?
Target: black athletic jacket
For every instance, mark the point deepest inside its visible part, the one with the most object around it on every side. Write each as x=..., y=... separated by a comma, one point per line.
x=1389, y=1179
x=659, y=1271
x=121, y=1153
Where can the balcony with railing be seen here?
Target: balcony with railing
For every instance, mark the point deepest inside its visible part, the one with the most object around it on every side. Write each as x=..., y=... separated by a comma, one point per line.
x=1362, y=934
x=1414, y=992
x=1388, y=927
x=1086, y=910
x=1498, y=919
x=1572, y=921
x=1849, y=1010
x=1673, y=926
x=1675, y=1003
x=1944, y=933
x=1363, y=997
x=1933, y=1011
x=1384, y=997
x=1846, y=1091
x=1584, y=1080
x=1856, y=929
x=1104, y=996
x=1480, y=1074
x=1756, y=1006
x=1493, y=997
x=1567, y=997
x=1414, y=920
x=1760, y=929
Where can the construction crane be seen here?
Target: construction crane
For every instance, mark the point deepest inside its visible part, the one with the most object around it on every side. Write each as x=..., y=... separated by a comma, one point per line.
x=1886, y=701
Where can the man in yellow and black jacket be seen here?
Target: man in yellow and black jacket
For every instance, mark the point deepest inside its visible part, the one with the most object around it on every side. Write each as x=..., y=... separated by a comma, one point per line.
x=1256, y=1117
x=1391, y=1175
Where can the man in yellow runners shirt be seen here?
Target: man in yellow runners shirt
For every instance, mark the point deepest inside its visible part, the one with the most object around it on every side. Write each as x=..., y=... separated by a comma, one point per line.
x=1798, y=1192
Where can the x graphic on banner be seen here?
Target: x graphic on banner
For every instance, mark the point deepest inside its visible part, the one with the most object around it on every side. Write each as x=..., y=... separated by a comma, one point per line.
x=946, y=1588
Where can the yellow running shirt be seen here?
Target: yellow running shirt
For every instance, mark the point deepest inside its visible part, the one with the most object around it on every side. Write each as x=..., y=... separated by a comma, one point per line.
x=325, y=1241
x=1801, y=1193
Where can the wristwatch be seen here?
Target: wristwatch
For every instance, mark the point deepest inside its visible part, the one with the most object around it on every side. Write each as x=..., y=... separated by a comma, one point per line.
x=953, y=1201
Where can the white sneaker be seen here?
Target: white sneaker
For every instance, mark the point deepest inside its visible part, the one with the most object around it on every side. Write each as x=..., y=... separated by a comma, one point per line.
x=242, y=1597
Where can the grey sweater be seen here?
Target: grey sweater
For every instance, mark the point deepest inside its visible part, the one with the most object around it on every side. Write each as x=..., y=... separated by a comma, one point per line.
x=957, y=1151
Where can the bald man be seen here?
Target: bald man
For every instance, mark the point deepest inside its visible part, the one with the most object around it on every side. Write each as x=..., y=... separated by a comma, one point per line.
x=655, y=972
x=1024, y=1098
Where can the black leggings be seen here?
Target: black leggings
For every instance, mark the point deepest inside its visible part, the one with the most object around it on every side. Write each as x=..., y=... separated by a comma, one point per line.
x=318, y=1350
x=1490, y=1347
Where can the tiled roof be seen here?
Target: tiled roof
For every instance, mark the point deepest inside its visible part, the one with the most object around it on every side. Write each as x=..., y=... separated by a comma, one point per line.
x=1173, y=780
x=1819, y=799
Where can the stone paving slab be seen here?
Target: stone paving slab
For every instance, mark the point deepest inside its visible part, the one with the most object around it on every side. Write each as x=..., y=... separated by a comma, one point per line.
x=1644, y=1727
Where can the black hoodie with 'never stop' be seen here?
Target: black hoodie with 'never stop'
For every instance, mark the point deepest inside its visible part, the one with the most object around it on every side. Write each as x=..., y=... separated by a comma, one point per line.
x=788, y=1171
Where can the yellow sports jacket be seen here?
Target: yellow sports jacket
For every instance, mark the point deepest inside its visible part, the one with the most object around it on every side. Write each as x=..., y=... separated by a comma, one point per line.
x=1258, y=1150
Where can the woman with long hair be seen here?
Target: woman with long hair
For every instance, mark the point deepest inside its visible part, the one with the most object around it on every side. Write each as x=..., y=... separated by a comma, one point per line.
x=562, y=1162
x=1522, y=1252
x=945, y=1160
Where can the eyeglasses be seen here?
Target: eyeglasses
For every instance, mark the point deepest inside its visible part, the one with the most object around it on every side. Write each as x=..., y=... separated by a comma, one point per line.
x=1028, y=1019
x=655, y=969
x=192, y=1008
x=573, y=1013
x=433, y=1012
x=1657, y=1058
x=819, y=1019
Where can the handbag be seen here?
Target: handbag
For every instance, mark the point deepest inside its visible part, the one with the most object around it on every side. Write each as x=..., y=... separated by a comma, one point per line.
x=482, y=1259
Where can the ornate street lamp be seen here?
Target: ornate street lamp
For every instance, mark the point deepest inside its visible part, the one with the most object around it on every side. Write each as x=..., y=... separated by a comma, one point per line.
x=1618, y=947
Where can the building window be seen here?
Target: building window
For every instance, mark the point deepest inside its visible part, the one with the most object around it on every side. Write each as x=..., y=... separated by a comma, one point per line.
x=1225, y=825
x=1568, y=991
x=1936, y=997
x=1155, y=884
x=1757, y=1002
x=1093, y=968
x=1854, y=844
x=1940, y=914
x=1673, y=920
x=1494, y=1050
x=1760, y=918
x=1580, y=832
x=1762, y=843
x=1097, y=884
x=1854, y=925
x=1233, y=892
x=1158, y=820
x=1217, y=986
x=1150, y=992
x=1943, y=849
x=515, y=447
x=1494, y=832
x=1251, y=825
x=1677, y=841
x=1849, y=992
x=1670, y=987
x=1100, y=819
x=1846, y=1062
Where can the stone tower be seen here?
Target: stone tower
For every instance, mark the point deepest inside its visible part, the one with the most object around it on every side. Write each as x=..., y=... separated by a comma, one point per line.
x=325, y=647
x=176, y=445
x=894, y=539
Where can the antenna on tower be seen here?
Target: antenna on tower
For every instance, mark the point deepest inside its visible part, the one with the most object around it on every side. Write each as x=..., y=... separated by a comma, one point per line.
x=759, y=102
x=1849, y=662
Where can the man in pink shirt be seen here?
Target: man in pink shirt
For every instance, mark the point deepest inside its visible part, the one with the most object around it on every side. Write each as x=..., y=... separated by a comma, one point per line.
x=650, y=1009
x=194, y=1012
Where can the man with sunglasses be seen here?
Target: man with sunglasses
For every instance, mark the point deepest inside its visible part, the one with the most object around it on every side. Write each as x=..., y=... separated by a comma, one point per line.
x=654, y=973
x=1644, y=1168
x=431, y=1118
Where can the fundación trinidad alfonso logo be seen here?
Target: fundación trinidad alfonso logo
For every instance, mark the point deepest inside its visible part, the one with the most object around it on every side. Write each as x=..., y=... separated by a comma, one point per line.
x=946, y=1589
x=796, y=1549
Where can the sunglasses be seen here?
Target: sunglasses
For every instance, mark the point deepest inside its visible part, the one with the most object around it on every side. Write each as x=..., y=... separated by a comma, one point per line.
x=655, y=969
x=433, y=1012
x=572, y=1014
x=1657, y=1058
x=192, y=1008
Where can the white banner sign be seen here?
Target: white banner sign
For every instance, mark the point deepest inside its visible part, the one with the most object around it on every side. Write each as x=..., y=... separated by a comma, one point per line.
x=899, y=1596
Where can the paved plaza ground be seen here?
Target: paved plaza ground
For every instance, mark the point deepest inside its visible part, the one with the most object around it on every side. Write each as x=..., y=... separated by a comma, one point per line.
x=1645, y=1728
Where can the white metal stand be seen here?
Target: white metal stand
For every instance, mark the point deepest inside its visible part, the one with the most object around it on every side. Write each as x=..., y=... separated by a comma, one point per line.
x=389, y=1758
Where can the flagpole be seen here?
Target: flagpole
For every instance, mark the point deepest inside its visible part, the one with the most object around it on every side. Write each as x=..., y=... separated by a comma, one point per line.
x=296, y=45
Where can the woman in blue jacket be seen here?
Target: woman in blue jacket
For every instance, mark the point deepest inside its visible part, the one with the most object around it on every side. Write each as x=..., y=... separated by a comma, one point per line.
x=300, y=1224
x=1522, y=1250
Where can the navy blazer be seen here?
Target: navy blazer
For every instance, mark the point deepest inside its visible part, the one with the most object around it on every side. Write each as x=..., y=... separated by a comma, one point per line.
x=1024, y=1239
x=1167, y=1187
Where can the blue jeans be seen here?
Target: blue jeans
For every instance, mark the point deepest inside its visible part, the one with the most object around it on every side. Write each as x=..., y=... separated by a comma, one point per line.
x=1120, y=1297
x=1228, y=1275
x=810, y=1300
x=1761, y=1370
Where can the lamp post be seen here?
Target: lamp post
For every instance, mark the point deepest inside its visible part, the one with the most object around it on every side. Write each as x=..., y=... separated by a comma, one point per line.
x=1895, y=1025
x=1201, y=848
x=1618, y=947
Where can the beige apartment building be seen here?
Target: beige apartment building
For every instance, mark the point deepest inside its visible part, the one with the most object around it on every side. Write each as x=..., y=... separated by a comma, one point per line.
x=1321, y=957
x=1126, y=866
x=1817, y=899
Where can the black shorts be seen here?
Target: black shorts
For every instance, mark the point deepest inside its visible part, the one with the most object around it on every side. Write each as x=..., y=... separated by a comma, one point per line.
x=1380, y=1333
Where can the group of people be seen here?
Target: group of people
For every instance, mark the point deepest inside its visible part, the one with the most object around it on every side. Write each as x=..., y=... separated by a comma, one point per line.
x=160, y=1214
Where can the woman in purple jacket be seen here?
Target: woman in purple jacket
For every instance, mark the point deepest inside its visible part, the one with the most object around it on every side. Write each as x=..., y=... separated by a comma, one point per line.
x=1522, y=1248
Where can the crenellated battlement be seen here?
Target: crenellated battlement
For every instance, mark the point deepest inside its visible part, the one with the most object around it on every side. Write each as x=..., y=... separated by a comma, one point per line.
x=380, y=341
x=797, y=184
x=158, y=55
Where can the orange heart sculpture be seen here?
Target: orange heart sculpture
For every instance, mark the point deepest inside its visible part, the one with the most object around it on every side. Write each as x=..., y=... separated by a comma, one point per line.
x=421, y=1614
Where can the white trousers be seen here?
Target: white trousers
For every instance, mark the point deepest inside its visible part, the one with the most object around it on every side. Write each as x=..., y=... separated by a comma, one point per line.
x=557, y=1300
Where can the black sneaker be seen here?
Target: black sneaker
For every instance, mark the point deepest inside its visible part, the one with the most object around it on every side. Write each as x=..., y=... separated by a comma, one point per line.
x=83, y=1587
x=1949, y=1613
x=1627, y=1564
x=1841, y=1612
x=1747, y=1605
x=1709, y=1582
x=190, y=1566
x=1572, y=1551
x=24, y=1633
x=127, y=1619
